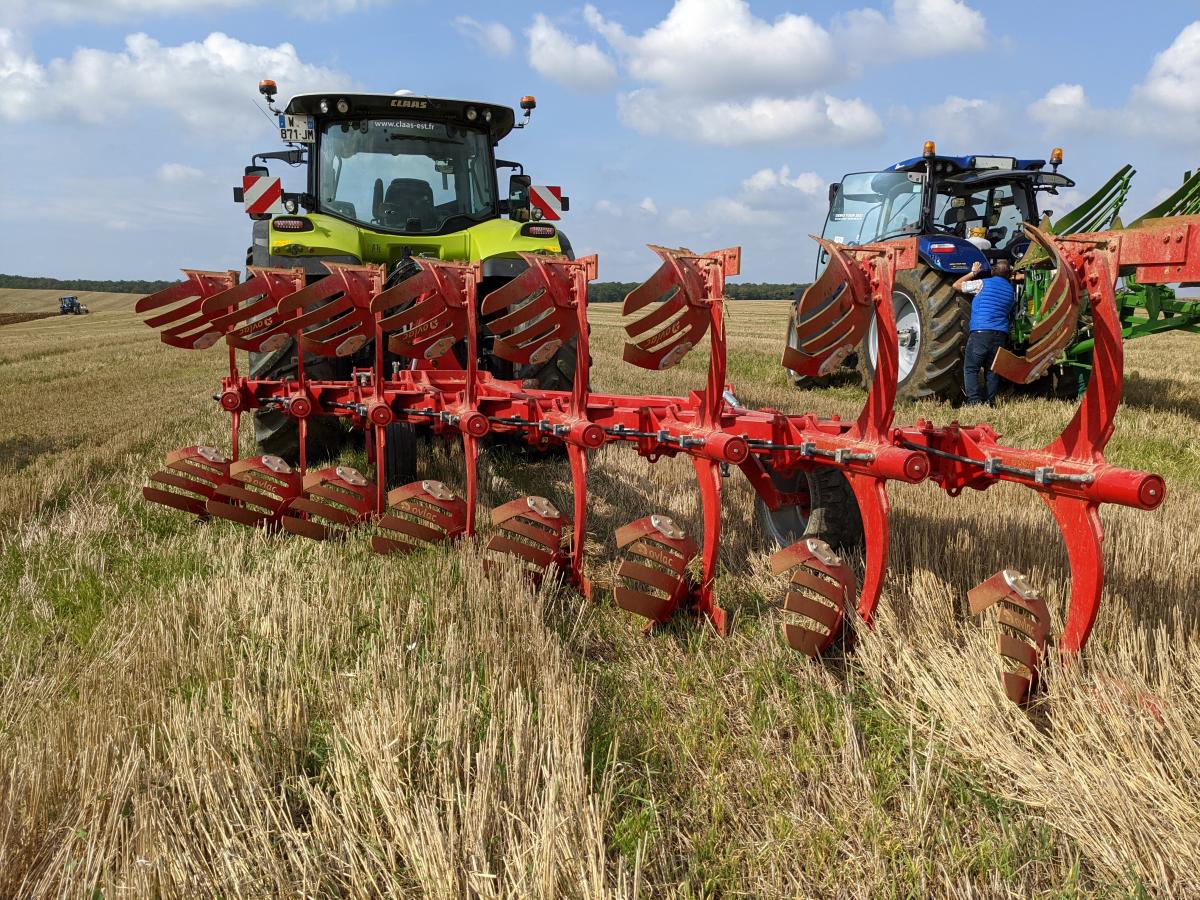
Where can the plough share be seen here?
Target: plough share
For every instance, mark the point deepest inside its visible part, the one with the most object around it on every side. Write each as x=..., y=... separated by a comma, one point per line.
x=431, y=309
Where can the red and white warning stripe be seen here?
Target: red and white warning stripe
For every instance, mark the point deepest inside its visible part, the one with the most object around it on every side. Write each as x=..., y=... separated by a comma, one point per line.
x=262, y=195
x=547, y=199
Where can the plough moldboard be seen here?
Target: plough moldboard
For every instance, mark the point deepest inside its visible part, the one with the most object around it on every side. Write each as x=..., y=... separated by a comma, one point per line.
x=435, y=309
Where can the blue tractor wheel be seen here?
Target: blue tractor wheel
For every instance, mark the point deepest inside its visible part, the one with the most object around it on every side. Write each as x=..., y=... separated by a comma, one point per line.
x=931, y=324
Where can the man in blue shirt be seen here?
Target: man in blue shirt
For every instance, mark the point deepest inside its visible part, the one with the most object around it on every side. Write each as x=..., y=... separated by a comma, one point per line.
x=991, y=319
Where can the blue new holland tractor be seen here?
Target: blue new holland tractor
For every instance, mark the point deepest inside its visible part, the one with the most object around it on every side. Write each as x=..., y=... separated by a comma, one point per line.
x=962, y=209
x=70, y=306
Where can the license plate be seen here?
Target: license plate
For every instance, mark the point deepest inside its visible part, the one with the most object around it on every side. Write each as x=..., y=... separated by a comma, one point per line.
x=296, y=129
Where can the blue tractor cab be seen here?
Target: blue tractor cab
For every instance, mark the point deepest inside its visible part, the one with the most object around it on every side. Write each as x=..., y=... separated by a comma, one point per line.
x=940, y=200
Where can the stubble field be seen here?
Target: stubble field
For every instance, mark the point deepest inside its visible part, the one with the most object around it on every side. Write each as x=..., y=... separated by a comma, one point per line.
x=197, y=709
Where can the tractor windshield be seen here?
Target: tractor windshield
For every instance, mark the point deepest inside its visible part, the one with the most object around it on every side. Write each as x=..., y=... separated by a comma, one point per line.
x=871, y=206
x=406, y=176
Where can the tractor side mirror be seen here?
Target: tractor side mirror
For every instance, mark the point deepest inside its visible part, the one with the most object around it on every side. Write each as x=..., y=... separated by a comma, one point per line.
x=261, y=171
x=518, y=197
x=833, y=192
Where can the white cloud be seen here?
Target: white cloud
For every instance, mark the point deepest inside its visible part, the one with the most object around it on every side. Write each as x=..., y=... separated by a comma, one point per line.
x=964, y=123
x=1164, y=105
x=492, y=37
x=714, y=72
x=718, y=48
x=320, y=9
x=209, y=83
x=174, y=173
x=815, y=119
x=20, y=11
x=772, y=181
x=1168, y=99
x=558, y=56
x=738, y=212
x=1061, y=203
x=916, y=29
x=108, y=10
x=764, y=211
x=768, y=197
x=1064, y=106
x=643, y=209
x=22, y=81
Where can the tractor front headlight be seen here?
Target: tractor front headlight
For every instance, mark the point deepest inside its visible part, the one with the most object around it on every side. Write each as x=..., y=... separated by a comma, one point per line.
x=472, y=114
x=324, y=106
x=343, y=106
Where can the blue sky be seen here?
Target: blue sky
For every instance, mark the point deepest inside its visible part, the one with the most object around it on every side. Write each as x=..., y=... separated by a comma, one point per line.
x=124, y=124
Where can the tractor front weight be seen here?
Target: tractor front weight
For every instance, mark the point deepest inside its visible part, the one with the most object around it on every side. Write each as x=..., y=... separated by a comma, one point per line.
x=438, y=308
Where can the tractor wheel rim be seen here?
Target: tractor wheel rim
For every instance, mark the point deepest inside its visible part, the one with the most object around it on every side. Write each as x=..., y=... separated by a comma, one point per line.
x=783, y=526
x=908, y=327
x=787, y=524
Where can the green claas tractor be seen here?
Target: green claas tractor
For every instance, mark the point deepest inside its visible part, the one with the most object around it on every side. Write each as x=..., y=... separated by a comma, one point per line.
x=390, y=178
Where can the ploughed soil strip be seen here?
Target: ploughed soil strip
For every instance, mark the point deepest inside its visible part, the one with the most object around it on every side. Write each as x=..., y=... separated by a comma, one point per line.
x=16, y=318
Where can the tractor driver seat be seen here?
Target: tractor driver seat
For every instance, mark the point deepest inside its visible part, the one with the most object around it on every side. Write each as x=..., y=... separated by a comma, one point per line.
x=408, y=202
x=959, y=215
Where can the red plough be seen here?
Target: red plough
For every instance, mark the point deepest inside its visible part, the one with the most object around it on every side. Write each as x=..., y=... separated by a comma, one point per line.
x=432, y=317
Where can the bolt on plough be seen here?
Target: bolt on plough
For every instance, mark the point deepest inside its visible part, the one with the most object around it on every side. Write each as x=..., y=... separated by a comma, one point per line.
x=431, y=315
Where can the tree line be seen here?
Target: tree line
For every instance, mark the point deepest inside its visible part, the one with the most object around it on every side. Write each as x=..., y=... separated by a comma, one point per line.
x=615, y=291
x=31, y=283
x=598, y=292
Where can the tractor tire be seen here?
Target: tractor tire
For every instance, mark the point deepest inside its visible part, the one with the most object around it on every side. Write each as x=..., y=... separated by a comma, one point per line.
x=400, y=454
x=276, y=432
x=1069, y=382
x=932, y=320
x=555, y=374
x=558, y=372
x=832, y=514
x=800, y=382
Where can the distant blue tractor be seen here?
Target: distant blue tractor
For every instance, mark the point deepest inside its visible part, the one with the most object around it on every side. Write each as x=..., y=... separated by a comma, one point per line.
x=70, y=306
x=964, y=209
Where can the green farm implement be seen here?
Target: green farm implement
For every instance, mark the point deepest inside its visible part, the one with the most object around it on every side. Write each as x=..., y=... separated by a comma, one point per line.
x=1144, y=309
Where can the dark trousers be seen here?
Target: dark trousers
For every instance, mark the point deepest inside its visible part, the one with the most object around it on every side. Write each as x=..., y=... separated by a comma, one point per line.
x=981, y=350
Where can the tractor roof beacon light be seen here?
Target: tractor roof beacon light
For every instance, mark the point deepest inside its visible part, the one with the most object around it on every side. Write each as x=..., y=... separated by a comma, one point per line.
x=930, y=149
x=528, y=104
x=1056, y=158
x=269, y=89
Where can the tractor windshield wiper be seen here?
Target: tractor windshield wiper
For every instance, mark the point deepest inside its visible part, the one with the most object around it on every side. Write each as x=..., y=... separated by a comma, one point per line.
x=897, y=232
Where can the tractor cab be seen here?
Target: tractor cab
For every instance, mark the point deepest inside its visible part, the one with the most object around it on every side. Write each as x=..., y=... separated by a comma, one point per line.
x=943, y=200
x=403, y=165
x=388, y=175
